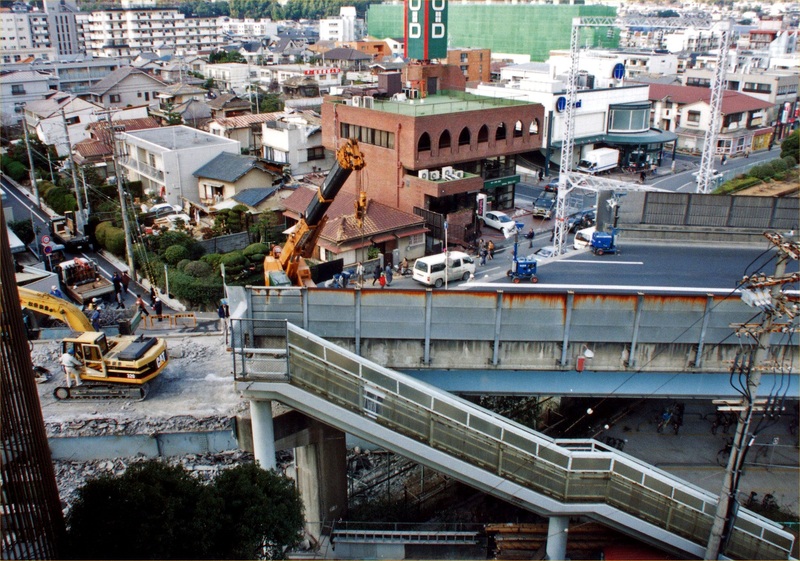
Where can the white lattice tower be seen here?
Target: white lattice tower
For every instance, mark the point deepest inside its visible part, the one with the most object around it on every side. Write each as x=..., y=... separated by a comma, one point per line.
x=705, y=177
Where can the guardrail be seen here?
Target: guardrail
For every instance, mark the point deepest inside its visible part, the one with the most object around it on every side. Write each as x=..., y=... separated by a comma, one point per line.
x=583, y=474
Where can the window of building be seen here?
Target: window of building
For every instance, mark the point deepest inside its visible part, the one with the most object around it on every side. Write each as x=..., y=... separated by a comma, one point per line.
x=534, y=128
x=465, y=137
x=274, y=155
x=500, y=134
x=483, y=134
x=698, y=82
x=630, y=117
x=518, y=129
x=693, y=117
x=367, y=135
x=754, y=87
x=317, y=153
x=17, y=89
x=444, y=140
x=733, y=85
x=113, y=98
x=424, y=143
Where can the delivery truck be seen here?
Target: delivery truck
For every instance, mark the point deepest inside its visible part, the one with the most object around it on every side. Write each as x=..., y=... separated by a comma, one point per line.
x=599, y=160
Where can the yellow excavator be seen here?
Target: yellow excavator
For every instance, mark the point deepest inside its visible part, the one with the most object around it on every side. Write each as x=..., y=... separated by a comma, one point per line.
x=290, y=267
x=111, y=367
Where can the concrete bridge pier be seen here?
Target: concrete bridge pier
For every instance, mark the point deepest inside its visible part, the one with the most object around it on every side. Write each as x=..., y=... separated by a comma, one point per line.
x=263, y=433
x=557, y=529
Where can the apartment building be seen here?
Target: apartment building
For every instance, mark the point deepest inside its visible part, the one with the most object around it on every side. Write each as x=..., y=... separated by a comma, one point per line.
x=18, y=88
x=24, y=35
x=296, y=139
x=72, y=73
x=325, y=77
x=248, y=28
x=600, y=66
x=231, y=76
x=128, y=31
x=345, y=27
x=165, y=159
x=475, y=64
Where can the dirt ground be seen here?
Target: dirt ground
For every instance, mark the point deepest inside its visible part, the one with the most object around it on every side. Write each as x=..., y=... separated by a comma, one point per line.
x=772, y=189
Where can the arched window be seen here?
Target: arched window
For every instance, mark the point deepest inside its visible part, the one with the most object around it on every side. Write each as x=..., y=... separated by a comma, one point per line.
x=424, y=144
x=444, y=140
x=483, y=134
x=501, y=132
x=464, y=137
x=534, y=127
x=517, y=129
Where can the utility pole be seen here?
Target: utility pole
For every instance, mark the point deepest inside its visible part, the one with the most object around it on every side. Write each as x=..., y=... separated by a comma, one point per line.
x=78, y=223
x=122, y=203
x=763, y=292
x=31, y=170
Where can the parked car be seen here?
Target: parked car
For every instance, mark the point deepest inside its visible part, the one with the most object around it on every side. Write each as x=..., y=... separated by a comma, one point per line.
x=501, y=221
x=545, y=205
x=552, y=185
x=581, y=219
x=545, y=252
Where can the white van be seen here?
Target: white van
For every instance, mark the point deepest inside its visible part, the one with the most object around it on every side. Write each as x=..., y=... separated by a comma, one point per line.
x=583, y=238
x=431, y=270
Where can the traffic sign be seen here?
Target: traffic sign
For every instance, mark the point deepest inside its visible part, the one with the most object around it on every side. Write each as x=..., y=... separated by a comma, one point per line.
x=45, y=240
x=48, y=250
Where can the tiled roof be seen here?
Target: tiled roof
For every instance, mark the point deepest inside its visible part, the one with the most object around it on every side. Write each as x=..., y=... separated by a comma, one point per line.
x=226, y=167
x=44, y=108
x=128, y=125
x=227, y=101
x=243, y=121
x=182, y=89
x=92, y=148
x=254, y=197
x=116, y=77
x=732, y=102
x=341, y=53
x=341, y=226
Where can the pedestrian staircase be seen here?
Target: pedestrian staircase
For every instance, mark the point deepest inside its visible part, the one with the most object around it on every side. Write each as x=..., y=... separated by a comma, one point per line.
x=551, y=477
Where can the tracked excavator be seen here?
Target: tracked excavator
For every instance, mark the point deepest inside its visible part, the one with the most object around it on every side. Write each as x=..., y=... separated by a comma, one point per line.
x=111, y=367
x=289, y=267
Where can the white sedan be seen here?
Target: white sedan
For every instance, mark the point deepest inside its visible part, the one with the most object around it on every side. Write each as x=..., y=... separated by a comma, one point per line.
x=501, y=221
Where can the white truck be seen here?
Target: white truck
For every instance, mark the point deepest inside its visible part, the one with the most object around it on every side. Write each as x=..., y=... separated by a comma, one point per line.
x=599, y=160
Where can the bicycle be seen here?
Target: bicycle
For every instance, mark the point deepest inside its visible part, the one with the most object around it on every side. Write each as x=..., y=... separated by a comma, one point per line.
x=723, y=455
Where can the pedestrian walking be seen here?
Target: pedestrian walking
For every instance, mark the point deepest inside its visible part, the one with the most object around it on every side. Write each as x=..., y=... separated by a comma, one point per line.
x=120, y=298
x=723, y=159
x=747, y=153
x=382, y=280
x=224, y=312
x=490, y=249
x=376, y=274
x=71, y=365
x=360, y=274
x=642, y=177
x=142, y=306
x=389, y=275
x=117, y=282
x=158, y=308
x=541, y=176
x=125, y=279
x=96, y=319
x=153, y=295
x=483, y=254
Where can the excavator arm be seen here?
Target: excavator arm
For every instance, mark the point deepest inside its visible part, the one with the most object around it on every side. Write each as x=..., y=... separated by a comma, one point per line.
x=54, y=307
x=301, y=242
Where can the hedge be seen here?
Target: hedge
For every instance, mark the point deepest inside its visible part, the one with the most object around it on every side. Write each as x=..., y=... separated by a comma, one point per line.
x=175, y=254
x=205, y=291
x=198, y=269
x=737, y=184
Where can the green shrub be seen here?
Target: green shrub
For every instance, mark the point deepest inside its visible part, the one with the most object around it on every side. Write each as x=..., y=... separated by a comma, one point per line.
x=254, y=248
x=198, y=269
x=16, y=170
x=23, y=230
x=256, y=258
x=115, y=241
x=182, y=264
x=101, y=231
x=791, y=161
x=737, y=184
x=173, y=237
x=213, y=259
x=779, y=166
x=197, y=292
x=175, y=253
x=234, y=258
x=44, y=188
x=762, y=171
x=791, y=145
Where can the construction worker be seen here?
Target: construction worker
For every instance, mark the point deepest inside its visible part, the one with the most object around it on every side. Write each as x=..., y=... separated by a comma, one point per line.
x=71, y=366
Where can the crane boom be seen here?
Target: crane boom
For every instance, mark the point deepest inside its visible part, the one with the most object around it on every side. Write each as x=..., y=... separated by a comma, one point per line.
x=55, y=307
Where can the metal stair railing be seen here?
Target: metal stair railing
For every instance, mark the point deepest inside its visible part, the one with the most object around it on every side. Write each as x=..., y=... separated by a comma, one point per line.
x=584, y=475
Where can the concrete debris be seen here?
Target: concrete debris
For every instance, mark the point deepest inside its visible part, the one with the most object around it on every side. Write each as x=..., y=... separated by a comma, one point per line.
x=116, y=427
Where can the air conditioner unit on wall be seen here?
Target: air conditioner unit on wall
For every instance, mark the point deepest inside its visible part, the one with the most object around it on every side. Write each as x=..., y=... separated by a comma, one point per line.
x=447, y=170
x=369, y=102
x=424, y=174
x=435, y=175
x=459, y=173
x=357, y=100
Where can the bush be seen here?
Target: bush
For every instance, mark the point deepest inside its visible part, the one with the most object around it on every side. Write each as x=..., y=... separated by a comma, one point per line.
x=182, y=264
x=213, y=259
x=762, y=171
x=791, y=145
x=101, y=231
x=255, y=248
x=737, y=184
x=60, y=200
x=172, y=237
x=16, y=170
x=175, y=253
x=234, y=258
x=779, y=166
x=115, y=241
x=791, y=161
x=23, y=230
x=44, y=188
x=198, y=269
x=197, y=292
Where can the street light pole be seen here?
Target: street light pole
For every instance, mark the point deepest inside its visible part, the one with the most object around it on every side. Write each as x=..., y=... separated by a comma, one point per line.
x=31, y=170
x=79, y=223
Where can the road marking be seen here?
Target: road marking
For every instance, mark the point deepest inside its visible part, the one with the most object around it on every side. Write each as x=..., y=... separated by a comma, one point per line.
x=30, y=206
x=605, y=261
x=607, y=288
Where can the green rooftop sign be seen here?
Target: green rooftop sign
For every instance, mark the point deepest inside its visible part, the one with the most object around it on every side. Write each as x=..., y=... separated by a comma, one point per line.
x=426, y=29
x=501, y=182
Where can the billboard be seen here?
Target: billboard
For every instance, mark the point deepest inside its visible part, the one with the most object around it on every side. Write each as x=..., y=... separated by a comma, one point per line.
x=426, y=29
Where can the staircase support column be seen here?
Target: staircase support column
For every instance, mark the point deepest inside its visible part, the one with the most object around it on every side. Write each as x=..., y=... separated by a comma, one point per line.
x=557, y=529
x=263, y=433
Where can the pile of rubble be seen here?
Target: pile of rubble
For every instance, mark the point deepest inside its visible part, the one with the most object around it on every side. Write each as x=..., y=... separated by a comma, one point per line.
x=109, y=426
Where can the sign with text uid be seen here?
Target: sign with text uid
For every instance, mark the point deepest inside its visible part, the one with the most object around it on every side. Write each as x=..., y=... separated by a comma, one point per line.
x=426, y=29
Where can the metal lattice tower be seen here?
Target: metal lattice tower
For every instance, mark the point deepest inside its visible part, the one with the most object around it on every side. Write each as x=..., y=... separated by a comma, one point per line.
x=565, y=185
x=706, y=175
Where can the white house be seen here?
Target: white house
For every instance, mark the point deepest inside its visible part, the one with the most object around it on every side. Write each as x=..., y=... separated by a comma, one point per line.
x=296, y=140
x=325, y=77
x=231, y=75
x=44, y=117
x=164, y=159
x=19, y=88
x=125, y=87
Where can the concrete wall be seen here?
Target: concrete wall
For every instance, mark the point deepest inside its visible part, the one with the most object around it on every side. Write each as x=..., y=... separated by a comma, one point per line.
x=224, y=244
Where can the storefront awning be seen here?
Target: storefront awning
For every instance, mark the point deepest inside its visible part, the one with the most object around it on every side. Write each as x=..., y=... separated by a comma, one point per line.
x=652, y=136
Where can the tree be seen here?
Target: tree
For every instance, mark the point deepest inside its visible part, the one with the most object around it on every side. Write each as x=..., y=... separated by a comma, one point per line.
x=261, y=515
x=24, y=230
x=271, y=103
x=154, y=511
x=791, y=145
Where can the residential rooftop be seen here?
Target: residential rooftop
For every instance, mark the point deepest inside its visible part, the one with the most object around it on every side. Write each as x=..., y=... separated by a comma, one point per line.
x=442, y=103
x=178, y=137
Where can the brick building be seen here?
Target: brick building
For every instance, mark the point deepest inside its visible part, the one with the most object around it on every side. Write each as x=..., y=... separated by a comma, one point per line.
x=431, y=155
x=474, y=63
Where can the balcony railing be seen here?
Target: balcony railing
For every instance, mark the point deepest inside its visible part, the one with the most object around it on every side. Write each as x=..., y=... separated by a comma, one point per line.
x=142, y=168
